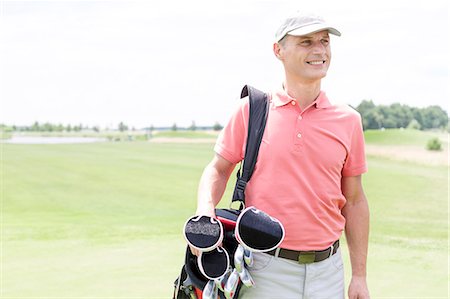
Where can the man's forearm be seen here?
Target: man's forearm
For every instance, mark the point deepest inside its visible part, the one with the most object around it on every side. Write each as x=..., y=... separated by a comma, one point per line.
x=357, y=233
x=212, y=186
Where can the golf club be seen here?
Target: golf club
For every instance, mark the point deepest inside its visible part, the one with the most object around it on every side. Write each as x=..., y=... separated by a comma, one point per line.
x=239, y=258
x=248, y=257
x=210, y=291
x=246, y=278
x=232, y=284
x=221, y=281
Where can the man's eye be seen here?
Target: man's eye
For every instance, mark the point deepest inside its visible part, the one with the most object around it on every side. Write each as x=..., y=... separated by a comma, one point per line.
x=325, y=42
x=305, y=43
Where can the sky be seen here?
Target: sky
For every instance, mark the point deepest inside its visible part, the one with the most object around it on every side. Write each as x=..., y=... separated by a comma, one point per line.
x=162, y=62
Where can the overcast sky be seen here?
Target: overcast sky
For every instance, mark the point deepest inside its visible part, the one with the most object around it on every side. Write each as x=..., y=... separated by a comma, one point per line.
x=164, y=62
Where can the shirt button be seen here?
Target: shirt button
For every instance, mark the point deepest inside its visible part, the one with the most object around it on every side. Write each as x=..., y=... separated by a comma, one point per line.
x=300, y=117
x=299, y=135
x=293, y=103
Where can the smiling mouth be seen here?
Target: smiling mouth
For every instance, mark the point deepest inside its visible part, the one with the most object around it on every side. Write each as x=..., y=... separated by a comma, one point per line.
x=316, y=62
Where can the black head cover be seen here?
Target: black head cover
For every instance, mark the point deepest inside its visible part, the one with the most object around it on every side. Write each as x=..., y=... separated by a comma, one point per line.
x=203, y=233
x=214, y=264
x=193, y=271
x=257, y=231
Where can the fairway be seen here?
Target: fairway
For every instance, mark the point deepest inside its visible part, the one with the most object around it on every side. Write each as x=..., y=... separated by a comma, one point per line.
x=104, y=220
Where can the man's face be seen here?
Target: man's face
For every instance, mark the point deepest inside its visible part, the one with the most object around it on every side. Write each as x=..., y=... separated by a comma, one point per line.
x=305, y=57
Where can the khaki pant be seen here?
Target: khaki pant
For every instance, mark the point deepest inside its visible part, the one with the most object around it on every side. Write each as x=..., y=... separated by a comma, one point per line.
x=279, y=278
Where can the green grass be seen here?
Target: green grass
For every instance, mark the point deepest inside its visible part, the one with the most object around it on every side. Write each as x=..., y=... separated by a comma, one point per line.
x=409, y=229
x=97, y=220
x=104, y=220
x=402, y=137
x=185, y=134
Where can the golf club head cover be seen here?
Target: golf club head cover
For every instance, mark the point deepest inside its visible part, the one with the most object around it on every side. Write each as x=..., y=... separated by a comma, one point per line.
x=203, y=232
x=214, y=264
x=257, y=231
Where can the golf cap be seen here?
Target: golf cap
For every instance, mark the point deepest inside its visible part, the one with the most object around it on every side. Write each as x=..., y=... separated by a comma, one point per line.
x=303, y=24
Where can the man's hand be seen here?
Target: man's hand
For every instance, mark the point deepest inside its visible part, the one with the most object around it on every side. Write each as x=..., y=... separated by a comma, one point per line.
x=209, y=213
x=358, y=288
x=211, y=188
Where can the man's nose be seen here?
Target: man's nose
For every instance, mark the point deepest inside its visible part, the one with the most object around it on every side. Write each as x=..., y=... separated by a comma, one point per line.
x=319, y=48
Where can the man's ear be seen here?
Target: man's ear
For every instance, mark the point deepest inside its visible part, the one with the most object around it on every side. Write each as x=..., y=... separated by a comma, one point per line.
x=277, y=50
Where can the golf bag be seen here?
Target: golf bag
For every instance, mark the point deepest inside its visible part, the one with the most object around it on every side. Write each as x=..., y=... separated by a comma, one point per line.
x=191, y=282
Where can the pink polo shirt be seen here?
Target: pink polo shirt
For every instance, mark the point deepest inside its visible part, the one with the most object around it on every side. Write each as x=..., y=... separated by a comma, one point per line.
x=302, y=158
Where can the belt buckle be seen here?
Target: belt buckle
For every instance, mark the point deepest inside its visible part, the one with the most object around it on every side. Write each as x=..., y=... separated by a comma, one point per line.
x=331, y=251
x=307, y=257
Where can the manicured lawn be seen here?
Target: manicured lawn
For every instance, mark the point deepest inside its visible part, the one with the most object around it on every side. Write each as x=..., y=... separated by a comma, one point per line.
x=403, y=137
x=105, y=220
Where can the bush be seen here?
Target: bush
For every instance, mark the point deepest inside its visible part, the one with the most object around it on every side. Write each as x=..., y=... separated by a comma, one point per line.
x=434, y=144
x=414, y=125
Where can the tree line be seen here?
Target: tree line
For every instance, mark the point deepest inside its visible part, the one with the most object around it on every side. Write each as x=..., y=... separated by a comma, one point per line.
x=122, y=127
x=402, y=116
x=373, y=116
x=49, y=127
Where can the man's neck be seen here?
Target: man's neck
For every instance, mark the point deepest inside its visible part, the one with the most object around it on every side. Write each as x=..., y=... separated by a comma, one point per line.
x=304, y=92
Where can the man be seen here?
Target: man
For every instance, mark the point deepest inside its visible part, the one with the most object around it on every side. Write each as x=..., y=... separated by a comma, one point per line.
x=308, y=175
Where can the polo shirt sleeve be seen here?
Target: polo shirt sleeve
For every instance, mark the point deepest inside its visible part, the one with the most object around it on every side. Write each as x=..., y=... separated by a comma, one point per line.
x=355, y=163
x=231, y=141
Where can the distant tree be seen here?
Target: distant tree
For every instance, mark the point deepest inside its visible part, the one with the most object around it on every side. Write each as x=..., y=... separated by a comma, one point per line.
x=122, y=127
x=217, y=126
x=373, y=119
x=387, y=119
x=78, y=128
x=5, y=128
x=401, y=116
x=193, y=127
x=434, y=117
x=59, y=128
x=96, y=129
x=365, y=106
x=389, y=123
x=174, y=127
x=69, y=128
x=35, y=127
x=46, y=127
x=150, y=131
x=414, y=125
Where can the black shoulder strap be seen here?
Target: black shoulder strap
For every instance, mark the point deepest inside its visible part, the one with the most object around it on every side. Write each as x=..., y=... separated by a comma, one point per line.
x=258, y=111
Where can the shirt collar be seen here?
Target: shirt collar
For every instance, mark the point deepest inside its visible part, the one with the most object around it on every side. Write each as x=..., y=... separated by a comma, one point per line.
x=281, y=98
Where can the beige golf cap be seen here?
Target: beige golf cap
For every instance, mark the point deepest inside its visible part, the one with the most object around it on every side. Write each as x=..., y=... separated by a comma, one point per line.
x=303, y=24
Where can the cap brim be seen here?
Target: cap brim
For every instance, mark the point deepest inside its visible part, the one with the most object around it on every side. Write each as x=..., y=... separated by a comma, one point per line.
x=313, y=29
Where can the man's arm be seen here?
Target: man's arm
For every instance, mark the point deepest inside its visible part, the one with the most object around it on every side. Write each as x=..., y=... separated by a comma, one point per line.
x=213, y=184
x=356, y=213
x=211, y=187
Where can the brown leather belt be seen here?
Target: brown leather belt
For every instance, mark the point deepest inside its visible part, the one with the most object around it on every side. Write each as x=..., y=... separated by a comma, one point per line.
x=306, y=257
